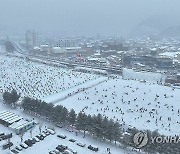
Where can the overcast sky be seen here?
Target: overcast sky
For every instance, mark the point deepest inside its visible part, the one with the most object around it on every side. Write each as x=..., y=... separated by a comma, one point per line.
x=78, y=17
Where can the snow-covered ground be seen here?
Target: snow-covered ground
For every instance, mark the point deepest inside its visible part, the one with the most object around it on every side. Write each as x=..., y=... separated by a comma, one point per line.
x=52, y=141
x=38, y=80
x=55, y=98
x=143, y=105
x=42, y=81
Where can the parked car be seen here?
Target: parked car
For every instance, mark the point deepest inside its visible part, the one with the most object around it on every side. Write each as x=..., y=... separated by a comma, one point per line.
x=72, y=151
x=7, y=145
x=66, y=152
x=7, y=136
x=14, y=151
x=72, y=140
x=61, y=136
x=81, y=144
x=1, y=134
x=40, y=137
x=23, y=145
x=19, y=148
x=37, y=140
x=33, y=140
x=28, y=142
x=61, y=148
x=59, y=125
x=56, y=151
x=93, y=148
x=43, y=134
x=52, y=132
x=46, y=132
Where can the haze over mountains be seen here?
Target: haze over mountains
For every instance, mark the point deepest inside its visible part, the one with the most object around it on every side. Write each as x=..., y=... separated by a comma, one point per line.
x=89, y=17
x=163, y=25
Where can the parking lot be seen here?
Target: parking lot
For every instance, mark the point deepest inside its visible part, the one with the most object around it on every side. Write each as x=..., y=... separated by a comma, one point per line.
x=51, y=141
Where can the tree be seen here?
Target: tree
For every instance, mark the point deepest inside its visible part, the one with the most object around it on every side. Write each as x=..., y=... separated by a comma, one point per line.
x=116, y=131
x=57, y=113
x=71, y=117
x=97, y=123
x=6, y=97
x=81, y=122
x=110, y=128
x=14, y=97
x=63, y=115
x=26, y=104
x=11, y=98
x=48, y=107
x=105, y=127
x=89, y=123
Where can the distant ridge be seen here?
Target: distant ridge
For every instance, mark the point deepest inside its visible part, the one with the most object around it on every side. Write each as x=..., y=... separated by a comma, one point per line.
x=162, y=25
x=171, y=32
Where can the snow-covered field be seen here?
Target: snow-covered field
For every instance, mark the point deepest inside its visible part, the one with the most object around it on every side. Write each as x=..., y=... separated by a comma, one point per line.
x=143, y=105
x=134, y=103
x=55, y=98
x=38, y=80
x=42, y=81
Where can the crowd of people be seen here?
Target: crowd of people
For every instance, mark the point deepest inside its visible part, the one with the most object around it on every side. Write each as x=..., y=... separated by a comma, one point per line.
x=37, y=80
x=131, y=103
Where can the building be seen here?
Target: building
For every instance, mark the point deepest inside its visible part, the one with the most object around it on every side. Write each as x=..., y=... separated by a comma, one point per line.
x=15, y=122
x=22, y=126
x=46, y=48
x=145, y=60
x=66, y=46
x=31, y=39
x=66, y=43
x=58, y=50
x=164, y=63
x=157, y=62
x=7, y=118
